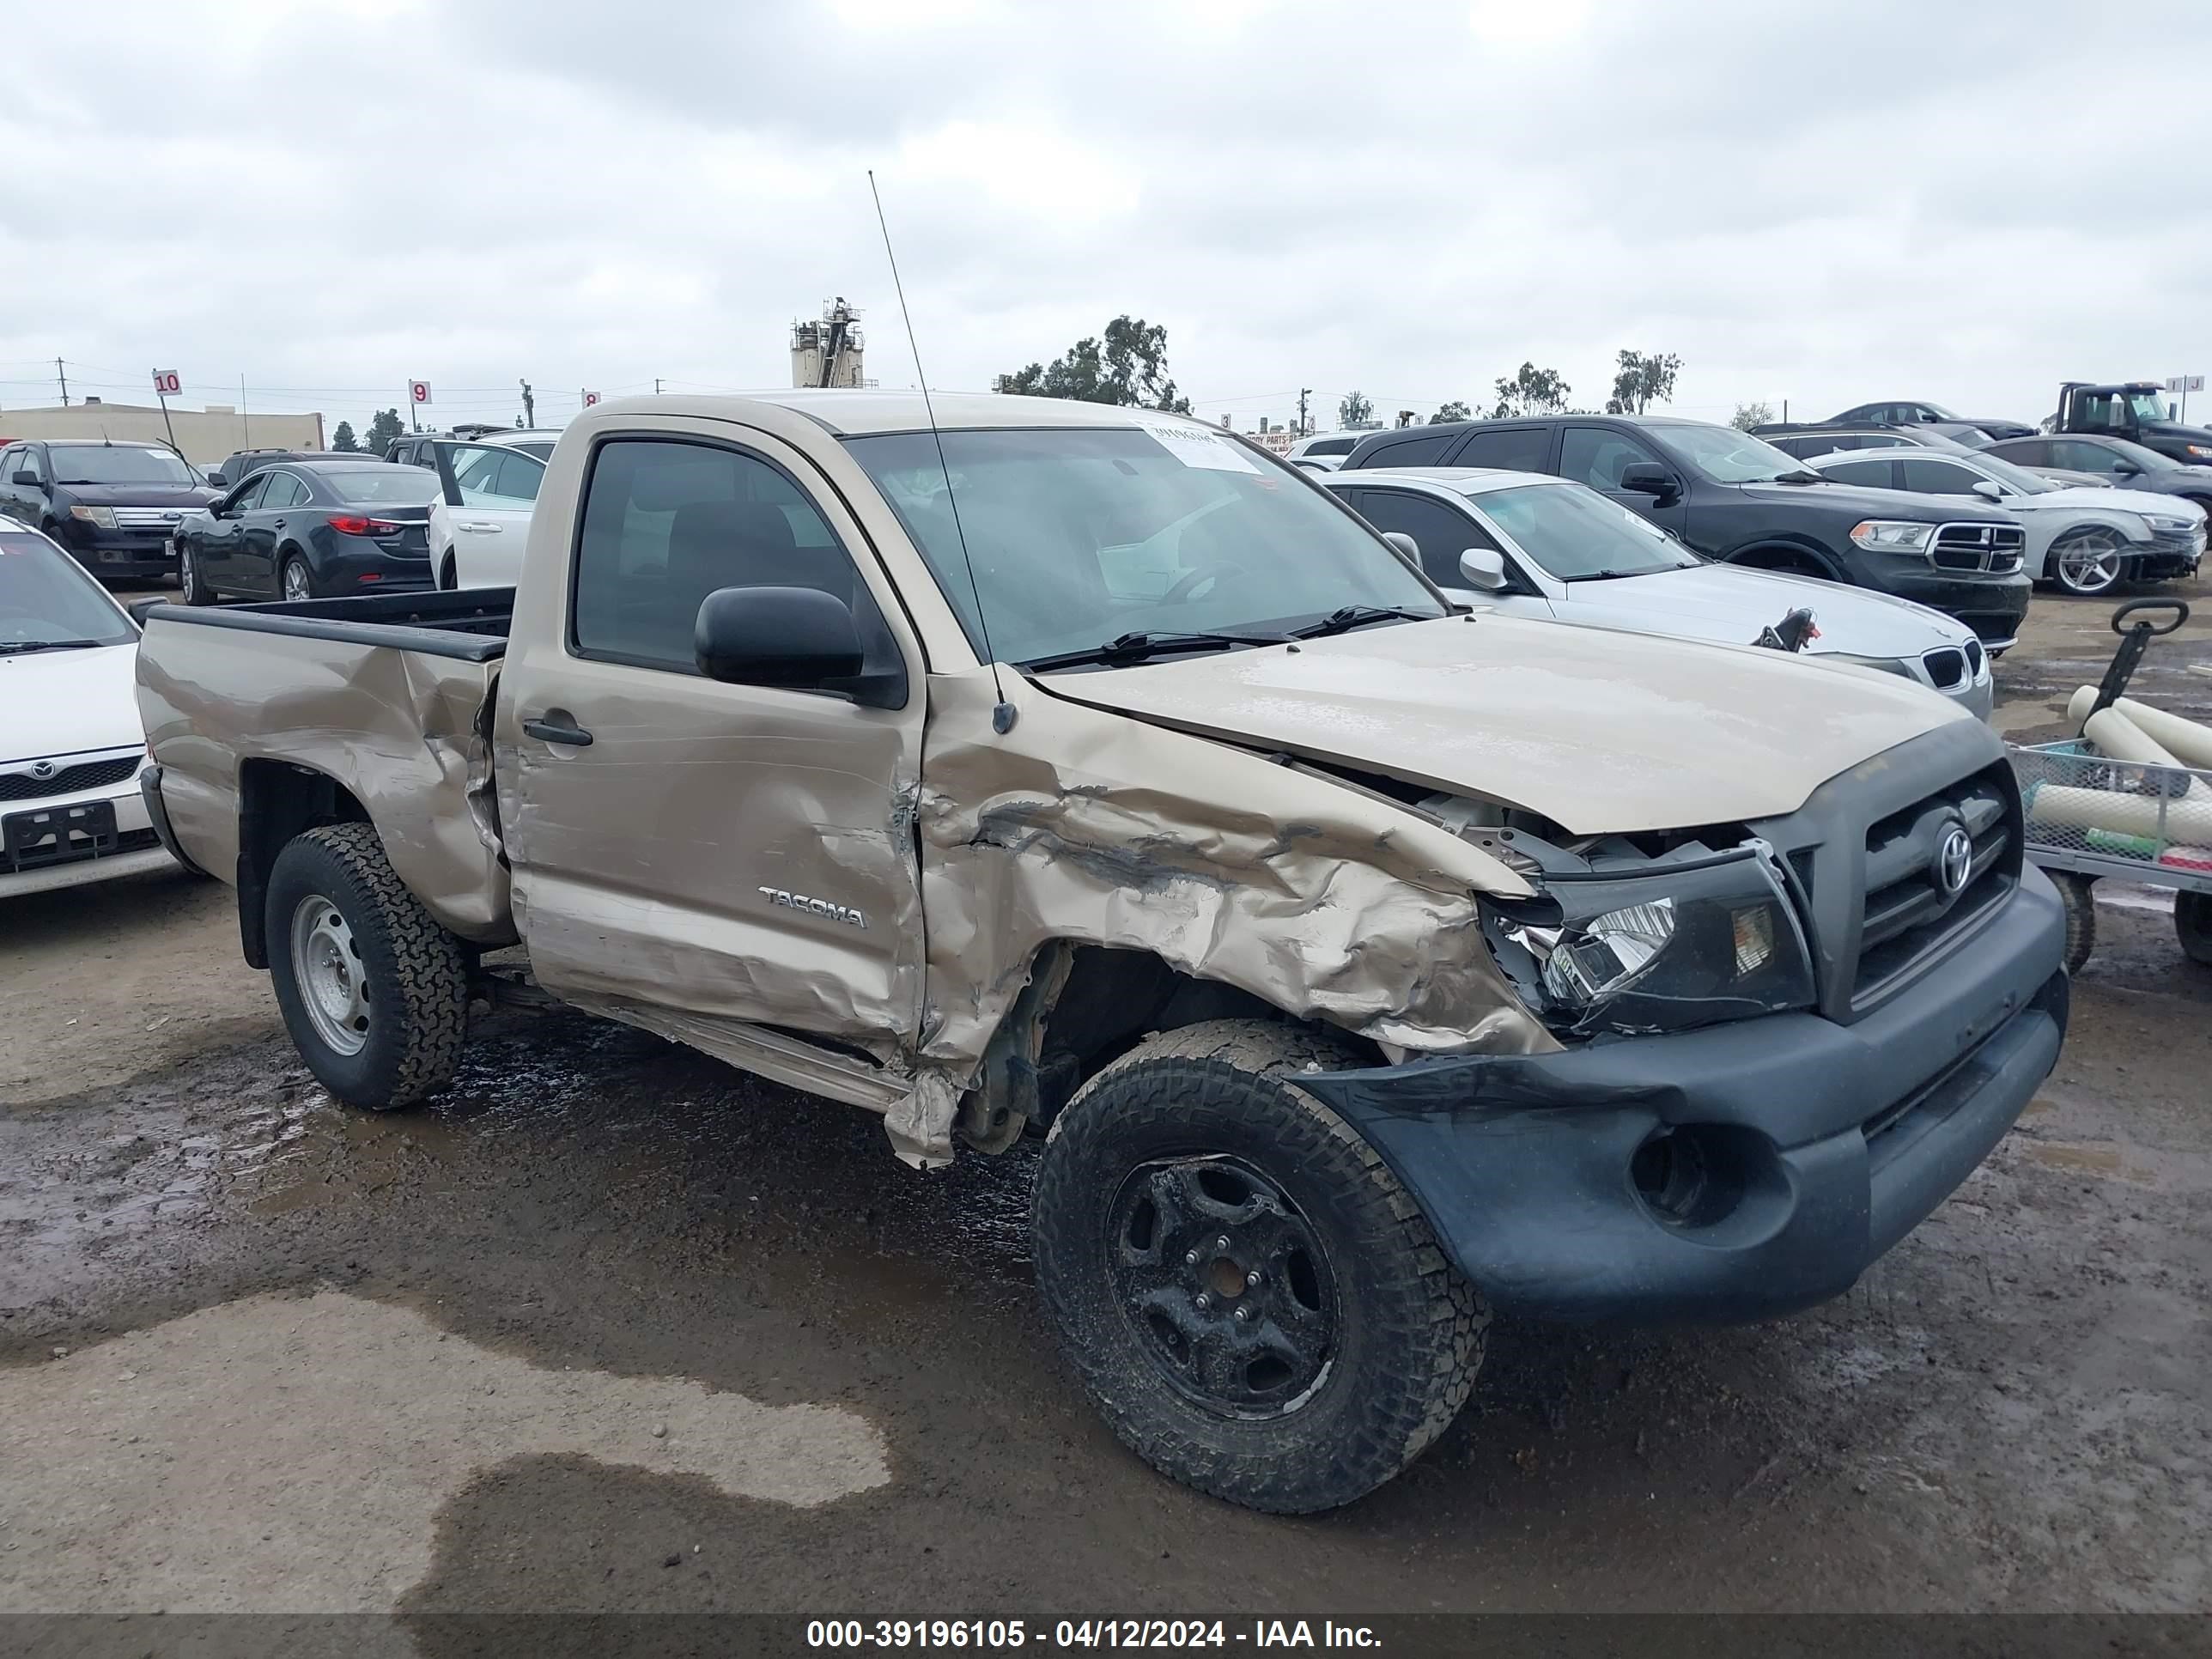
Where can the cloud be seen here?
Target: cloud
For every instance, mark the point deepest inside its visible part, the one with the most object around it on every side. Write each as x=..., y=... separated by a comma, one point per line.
x=1969, y=203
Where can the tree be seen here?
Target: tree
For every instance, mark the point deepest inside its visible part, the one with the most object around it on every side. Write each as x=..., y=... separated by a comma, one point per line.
x=384, y=431
x=1453, y=411
x=342, y=440
x=1129, y=366
x=1748, y=415
x=1533, y=390
x=1645, y=379
x=1357, y=409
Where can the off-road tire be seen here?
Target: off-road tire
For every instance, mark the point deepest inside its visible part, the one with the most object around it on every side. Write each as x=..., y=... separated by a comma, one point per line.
x=1410, y=1330
x=2079, y=895
x=417, y=972
x=2192, y=926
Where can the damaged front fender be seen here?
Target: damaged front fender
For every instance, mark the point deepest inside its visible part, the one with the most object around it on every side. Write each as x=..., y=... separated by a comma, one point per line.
x=1087, y=826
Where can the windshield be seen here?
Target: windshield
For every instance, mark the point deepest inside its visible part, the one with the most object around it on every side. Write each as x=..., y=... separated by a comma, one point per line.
x=45, y=599
x=1082, y=535
x=2149, y=460
x=404, y=486
x=99, y=463
x=1578, y=535
x=1725, y=454
x=2146, y=406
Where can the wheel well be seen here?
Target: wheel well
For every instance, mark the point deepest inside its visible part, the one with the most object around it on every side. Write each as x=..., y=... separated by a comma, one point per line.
x=1096, y=1004
x=1786, y=557
x=277, y=800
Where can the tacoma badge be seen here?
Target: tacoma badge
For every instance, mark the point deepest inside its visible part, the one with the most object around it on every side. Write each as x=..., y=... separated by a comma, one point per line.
x=790, y=901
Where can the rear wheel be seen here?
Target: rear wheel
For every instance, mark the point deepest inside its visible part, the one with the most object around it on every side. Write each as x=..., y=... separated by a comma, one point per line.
x=2079, y=895
x=297, y=583
x=2192, y=925
x=1255, y=1304
x=448, y=578
x=372, y=990
x=2088, y=561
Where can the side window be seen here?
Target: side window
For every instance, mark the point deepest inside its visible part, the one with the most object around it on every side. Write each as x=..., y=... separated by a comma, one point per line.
x=491, y=477
x=518, y=477
x=1594, y=456
x=2078, y=457
x=283, y=491
x=1878, y=475
x=1517, y=448
x=667, y=523
x=25, y=457
x=1441, y=532
x=2101, y=410
x=1929, y=478
x=1331, y=445
x=248, y=496
x=1415, y=452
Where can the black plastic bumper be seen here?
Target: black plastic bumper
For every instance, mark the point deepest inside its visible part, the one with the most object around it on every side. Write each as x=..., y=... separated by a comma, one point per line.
x=1993, y=606
x=1731, y=1173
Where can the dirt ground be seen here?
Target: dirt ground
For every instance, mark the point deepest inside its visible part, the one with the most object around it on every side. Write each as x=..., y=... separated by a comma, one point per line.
x=611, y=1327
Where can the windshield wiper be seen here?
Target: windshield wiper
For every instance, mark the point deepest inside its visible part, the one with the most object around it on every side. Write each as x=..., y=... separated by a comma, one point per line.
x=1355, y=615
x=14, y=648
x=1141, y=648
x=1618, y=575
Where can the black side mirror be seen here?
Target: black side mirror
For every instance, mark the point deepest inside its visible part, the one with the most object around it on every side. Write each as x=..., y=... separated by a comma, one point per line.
x=1647, y=478
x=28, y=480
x=799, y=638
x=2126, y=469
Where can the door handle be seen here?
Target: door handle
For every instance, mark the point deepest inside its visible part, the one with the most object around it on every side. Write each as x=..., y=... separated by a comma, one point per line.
x=483, y=529
x=279, y=524
x=558, y=732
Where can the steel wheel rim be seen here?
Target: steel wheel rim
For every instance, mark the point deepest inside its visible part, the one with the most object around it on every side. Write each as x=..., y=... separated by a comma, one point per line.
x=1224, y=1285
x=295, y=581
x=328, y=972
x=2090, y=563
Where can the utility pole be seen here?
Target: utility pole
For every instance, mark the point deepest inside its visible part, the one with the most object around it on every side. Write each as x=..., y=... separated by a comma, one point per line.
x=1304, y=392
x=529, y=406
x=63, y=375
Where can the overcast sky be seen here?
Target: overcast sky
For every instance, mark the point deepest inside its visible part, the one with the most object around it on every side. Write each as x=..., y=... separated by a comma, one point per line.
x=1825, y=205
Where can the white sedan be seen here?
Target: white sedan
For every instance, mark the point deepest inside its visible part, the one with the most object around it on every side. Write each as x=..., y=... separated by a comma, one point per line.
x=71, y=741
x=1537, y=546
x=482, y=516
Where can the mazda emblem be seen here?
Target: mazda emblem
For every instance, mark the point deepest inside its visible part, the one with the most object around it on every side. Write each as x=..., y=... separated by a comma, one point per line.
x=43, y=769
x=1954, y=861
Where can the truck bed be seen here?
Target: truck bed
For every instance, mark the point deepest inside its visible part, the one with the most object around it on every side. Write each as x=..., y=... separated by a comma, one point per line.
x=248, y=707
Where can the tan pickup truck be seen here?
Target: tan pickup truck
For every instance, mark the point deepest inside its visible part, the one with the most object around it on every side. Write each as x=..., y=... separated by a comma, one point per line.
x=1371, y=964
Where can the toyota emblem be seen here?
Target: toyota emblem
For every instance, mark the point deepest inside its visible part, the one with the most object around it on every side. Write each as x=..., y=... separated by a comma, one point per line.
x=1954, y=861
x=43, y=769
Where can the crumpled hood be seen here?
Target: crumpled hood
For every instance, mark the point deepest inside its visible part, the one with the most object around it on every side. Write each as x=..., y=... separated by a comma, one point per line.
x=1729, y=604
x=63, y=703
x=2075, y=497
x=1596, y=729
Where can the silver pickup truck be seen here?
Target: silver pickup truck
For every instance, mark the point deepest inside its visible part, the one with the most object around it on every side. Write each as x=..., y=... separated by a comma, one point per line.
x=1370, y=963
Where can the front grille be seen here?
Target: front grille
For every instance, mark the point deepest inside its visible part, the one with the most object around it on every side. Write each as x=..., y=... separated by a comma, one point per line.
x=1993, y=547
x=148, y=517
x=1908, y=911
x=1947, y=668
x=1974, y=657
x=86, y=775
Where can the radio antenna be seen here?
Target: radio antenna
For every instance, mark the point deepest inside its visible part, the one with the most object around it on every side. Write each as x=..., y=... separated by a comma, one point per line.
x=1003, y=713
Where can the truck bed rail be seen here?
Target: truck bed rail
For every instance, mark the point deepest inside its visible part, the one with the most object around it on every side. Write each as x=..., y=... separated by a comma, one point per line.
x=470, y=625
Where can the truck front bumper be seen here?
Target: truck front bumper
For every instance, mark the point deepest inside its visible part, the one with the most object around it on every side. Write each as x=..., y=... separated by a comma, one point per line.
x=1732, y=1173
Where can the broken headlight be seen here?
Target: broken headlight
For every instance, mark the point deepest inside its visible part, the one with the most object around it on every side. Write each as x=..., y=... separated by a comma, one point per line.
x=1682, y=946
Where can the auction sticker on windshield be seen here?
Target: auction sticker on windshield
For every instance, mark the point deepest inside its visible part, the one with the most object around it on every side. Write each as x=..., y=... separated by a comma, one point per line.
x=1193, y=445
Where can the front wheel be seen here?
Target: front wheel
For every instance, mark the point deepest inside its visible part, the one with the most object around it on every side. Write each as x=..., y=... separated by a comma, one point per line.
x=372, y=990
x=2192, y=925
x=191, y=585
x=2088, y=561
x=1254, y=1302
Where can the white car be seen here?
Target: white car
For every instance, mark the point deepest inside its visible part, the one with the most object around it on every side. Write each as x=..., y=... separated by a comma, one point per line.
x=2085, y=538
x=71, y=741
x=481, y=517
x=1532, y=545
x=1325, y=450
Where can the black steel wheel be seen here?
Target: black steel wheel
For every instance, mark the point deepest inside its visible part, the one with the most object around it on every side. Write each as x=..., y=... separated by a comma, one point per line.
x=1255, y=1304
x=2192, y=926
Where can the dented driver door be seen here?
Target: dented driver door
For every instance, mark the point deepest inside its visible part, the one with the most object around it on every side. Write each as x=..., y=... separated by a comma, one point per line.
x=741, y=855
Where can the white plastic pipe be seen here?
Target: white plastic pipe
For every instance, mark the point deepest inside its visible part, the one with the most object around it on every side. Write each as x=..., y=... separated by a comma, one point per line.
x=2118, y=736
x=2061, y=807
x=2188, y=741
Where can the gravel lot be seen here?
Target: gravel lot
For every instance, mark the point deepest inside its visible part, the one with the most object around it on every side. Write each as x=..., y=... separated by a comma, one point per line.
x=611, y=1327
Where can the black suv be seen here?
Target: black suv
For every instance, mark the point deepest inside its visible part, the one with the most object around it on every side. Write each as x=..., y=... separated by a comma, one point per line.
x=1733, y=497
x=113, y=505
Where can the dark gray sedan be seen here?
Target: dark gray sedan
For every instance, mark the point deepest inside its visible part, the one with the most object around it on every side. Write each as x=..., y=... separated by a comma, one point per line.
x=310, y=530
x=2118, y=463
